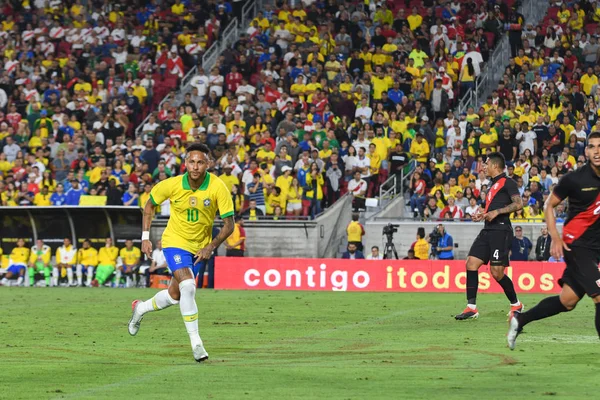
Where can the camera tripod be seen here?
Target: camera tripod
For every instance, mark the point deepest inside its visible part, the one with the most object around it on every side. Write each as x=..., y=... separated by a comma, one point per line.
x=389, y=250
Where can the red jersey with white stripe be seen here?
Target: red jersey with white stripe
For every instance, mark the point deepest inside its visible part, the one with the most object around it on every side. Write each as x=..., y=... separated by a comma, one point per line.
x=499, y=195
x=582, y=188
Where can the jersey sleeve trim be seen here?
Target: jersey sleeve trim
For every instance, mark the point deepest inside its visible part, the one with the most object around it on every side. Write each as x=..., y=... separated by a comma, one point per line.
x=153, y=201
x=227, y=215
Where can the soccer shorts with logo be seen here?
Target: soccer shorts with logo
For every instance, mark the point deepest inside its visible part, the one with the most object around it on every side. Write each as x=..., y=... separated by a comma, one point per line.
x=492, y=246
x=178, y=259
x=582, y=273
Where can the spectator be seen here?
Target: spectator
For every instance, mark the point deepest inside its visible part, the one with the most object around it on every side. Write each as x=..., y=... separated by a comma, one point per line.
x=256, y=194
x=236, y=243
x=445, y=244
x=253, y=213
x=355, y=232
x=353, y=253
x=375, y=254
x=410, y=255
x=521, y=246
x=417, y=200
x=358, y=188
x=74, y=194
x=543, y=244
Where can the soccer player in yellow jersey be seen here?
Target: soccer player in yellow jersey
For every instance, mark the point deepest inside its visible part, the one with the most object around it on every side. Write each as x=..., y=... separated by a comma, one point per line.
x=107, y=262
x=87, y=259
x=195, y=198
x=39, y=261
x=131, y=257
x=17, y=263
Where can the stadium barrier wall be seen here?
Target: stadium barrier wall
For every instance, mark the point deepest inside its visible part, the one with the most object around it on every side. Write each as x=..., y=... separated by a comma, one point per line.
x=463, y=234
x=376, y=276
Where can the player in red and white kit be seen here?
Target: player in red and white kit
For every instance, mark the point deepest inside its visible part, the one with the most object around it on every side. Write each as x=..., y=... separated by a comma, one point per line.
x=579, y=244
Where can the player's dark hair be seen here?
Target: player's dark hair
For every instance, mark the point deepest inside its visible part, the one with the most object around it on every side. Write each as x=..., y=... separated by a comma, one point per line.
x=593, y=135
x=498, y=159
x=198, y=147
x=421, y=232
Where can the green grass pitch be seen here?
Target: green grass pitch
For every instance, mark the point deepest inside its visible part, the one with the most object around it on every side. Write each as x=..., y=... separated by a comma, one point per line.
x=73, y=344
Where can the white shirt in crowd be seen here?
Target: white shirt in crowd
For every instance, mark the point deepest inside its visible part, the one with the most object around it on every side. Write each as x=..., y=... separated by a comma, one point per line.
x=356, y=188
x=159, y=257
x=526, y=141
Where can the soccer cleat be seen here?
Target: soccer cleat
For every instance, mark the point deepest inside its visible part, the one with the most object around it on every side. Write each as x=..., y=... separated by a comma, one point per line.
x=520, y=308
x=200, y=353
x=468, y=313
x=513, y=330
x=136, y=319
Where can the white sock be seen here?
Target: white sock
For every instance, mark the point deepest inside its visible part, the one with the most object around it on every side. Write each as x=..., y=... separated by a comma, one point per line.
x=27, y=280
x=189, y=310
x=472, y=306
x=90, y=275
x=4, y=281
x=128, y=281
x=518, y=303
x=118, y=278
x=54, y=276
x=160, y=301
x=70, y=275
x=19, y=280
x=79, y=274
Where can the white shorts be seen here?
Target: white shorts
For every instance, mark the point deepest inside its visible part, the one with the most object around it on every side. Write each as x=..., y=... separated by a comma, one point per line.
x=294, y=206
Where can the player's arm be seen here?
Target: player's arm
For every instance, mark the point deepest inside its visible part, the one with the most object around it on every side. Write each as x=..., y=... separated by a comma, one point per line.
x=515, y=205
x=557, y=245
x=158, y=195
x=148, y=215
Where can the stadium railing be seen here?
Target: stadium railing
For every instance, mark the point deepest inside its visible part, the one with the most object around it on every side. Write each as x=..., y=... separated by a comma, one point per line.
x=533, y=12
x=227, y=38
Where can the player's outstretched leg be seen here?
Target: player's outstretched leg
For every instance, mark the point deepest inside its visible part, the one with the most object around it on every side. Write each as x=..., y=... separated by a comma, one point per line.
x=508, y=287
x=89, y=276
x=471, y=312
x=550, y=306
x=160, y=301
x=189, y=311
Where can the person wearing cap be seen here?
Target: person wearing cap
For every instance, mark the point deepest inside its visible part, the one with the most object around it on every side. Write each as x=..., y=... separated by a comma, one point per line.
x=229, y=179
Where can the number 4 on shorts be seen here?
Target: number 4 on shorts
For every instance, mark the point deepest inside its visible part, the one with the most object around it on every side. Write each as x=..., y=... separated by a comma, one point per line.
x=496, y=254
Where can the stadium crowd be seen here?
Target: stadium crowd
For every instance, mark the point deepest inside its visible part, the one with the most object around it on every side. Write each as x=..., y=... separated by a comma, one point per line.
x=314, y=100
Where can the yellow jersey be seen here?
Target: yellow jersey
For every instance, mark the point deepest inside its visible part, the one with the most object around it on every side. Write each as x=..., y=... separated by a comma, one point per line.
x=355, y=231
x=19, y=256
x=42, y=255
x=130, y=257
x=230, y=180
x=421, y=249
x=108, y=256
x=235, y=237
x=192, y=211
x=41, y=199
x=88, y=257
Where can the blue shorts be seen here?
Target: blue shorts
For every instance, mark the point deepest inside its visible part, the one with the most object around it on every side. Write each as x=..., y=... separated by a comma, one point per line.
x=16, y=268
x=178, y=259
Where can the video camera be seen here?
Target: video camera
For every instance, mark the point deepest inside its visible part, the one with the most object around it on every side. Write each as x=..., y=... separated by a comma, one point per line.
x=434, y=239
x=390, y=229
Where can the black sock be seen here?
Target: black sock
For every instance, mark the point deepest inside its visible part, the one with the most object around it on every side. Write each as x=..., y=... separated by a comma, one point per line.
x=472, y=284
x=509, y=289
x=546, y=308
x=598, y=318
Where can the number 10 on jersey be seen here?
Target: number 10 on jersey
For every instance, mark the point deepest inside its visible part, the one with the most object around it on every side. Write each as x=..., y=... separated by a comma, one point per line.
x=192, y=215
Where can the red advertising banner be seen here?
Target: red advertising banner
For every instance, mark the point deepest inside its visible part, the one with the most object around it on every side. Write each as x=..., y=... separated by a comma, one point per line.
x=376, y=276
